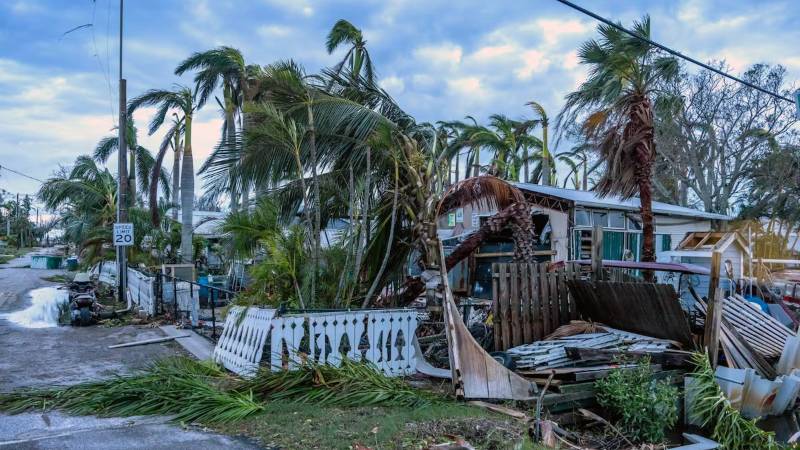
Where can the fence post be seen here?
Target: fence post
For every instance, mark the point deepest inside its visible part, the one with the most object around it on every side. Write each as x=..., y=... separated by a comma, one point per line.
x=597, y=253
x=213, y=315
x=175, y=297
x=714, y=310
x=191, y=302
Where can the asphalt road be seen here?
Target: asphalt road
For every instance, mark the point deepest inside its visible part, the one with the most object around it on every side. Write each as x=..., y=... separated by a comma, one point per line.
x=68, y=355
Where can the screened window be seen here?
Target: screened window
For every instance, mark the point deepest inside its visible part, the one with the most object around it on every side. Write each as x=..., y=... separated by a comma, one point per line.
x=634, y=224
x=600, y=218
x=616, y=219
x=582, y=218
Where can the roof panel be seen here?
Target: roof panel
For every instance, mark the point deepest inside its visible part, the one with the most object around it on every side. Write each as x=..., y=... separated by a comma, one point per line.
x=593, y=200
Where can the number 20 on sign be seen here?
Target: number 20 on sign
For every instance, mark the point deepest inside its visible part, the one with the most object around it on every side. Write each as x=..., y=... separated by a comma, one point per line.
x=123, y=234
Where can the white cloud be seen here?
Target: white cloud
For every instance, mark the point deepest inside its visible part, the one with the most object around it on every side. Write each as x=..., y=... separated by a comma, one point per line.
x=443, y=54
x=533, y=61
x=273, y=31
x=302, y=7
x=393, y=85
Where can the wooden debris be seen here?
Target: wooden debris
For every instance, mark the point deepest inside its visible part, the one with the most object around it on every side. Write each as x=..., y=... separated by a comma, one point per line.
x=650, y=309
x=669, y=358
x=552, y=353
x=475, y=374
x=500, y=409
x=147, y=341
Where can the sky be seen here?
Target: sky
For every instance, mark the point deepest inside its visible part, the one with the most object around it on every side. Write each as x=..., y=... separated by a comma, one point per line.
x=441, y=60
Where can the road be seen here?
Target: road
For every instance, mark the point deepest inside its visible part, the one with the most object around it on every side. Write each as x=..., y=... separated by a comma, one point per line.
x=68, y=355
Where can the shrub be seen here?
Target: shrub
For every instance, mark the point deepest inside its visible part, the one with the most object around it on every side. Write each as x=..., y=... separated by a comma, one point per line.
x=643, y=408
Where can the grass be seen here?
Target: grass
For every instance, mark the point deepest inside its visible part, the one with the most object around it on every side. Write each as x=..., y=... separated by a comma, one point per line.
x=308, y=426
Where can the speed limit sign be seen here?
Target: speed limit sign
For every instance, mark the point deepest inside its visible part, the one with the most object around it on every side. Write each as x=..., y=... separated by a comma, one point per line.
x=123, y=234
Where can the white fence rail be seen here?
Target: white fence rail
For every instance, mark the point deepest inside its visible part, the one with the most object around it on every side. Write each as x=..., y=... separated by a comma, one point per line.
x=383, y=338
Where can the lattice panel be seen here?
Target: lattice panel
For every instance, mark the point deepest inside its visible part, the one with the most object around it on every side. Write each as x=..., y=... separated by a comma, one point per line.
x=241, y=345
x=383, y=338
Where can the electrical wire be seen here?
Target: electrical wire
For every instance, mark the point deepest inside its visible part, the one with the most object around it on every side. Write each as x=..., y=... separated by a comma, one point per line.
x=20, y=173
x=674, y=52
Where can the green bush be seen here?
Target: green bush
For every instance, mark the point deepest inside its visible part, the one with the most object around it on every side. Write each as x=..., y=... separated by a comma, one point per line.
x=642, y=407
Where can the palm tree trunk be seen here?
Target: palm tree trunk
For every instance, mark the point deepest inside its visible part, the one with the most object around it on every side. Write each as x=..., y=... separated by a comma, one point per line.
x=585, y=175
x=176, y=171
x=546, y=175
x=187, y=194
x=230, y=135
x=312, y=136
x=389, y=241
x=458, y=170
x=525, y=158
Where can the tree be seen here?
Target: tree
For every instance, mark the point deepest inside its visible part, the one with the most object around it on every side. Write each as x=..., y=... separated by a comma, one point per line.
x=180, y=99
x=616, y=105
x=140, y=162
x=357, y=57
x=547, y=165
x=225, y=67
x=509, y=140
x=710, y=131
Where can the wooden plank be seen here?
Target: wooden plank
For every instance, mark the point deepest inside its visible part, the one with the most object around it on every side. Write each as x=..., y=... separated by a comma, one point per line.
x=554, y=323
x=505, y=307
x=536, y=302
x=525, y=303
x=497, y=321
x=563, y=297
x=516, y=325
x=714, y=312
x=544, y=288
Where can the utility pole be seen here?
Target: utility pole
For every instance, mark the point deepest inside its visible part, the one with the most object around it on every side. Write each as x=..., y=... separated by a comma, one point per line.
x=122, y=181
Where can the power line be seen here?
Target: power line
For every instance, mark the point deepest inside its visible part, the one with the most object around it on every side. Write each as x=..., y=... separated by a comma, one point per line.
x=674, y=52
x=20, y=173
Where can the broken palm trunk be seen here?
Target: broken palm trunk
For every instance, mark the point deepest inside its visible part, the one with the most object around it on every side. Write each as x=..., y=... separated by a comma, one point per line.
x=475, y=374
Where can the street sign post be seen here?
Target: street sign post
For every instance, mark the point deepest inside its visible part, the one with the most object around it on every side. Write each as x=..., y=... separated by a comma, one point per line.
x=123, y=234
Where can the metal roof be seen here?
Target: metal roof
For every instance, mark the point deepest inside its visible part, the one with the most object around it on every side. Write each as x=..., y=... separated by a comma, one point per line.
x=592, y=200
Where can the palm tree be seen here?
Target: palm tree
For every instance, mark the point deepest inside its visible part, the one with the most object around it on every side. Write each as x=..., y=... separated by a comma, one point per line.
x=181, y=100
x=618, y=113
x=140, y=162
x=357, y=56
x=542, y=120
x=510, y=141
x=225, y=67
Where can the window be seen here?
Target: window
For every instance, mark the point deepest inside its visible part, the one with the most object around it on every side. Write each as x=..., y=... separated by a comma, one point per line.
x=600, y=218
x=582, y=218
x=616, y=219
x=634, y=224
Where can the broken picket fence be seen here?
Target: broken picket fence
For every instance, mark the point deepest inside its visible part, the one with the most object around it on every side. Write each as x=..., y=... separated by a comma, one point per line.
x=383, y=338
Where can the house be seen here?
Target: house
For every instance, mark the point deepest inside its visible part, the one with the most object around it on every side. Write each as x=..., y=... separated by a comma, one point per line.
x=697, y=247
x=564, y=220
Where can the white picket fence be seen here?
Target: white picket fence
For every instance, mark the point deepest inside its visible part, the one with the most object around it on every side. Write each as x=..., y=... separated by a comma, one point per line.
x=241, y=344
x=383, y=338
x=141, y=291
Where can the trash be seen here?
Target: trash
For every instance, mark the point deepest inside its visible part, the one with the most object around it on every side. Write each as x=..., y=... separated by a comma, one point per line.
x=756, y=397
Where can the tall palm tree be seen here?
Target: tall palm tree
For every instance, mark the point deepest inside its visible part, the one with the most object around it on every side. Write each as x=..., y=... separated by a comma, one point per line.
x=542, y=120
x=180, y=100
x=140, y=162
x=617, y=109
x=357, y=57
x=223, y=66
x=510, y=140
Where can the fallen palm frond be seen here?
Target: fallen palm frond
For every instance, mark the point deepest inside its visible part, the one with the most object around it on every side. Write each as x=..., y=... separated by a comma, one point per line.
x=350, y=384
x=190, y=390
x=202, y=392
x=729, y=427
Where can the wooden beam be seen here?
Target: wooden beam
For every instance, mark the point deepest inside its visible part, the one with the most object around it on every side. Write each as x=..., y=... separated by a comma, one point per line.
x=714, y=313
x=597, y=253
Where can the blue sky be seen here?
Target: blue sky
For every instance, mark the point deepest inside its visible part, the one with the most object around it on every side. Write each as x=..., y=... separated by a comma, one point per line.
x=441, y=60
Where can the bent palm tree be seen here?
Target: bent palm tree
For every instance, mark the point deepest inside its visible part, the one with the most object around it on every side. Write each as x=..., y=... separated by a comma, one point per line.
x=616, y=101
x=181, y=100
x=547, y=160
x=357, y=56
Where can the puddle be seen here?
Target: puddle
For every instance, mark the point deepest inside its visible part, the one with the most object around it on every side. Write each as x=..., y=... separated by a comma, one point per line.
x=44, y=309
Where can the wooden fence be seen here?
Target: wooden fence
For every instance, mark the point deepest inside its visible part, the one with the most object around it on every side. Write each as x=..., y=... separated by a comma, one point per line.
x=530, y=302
